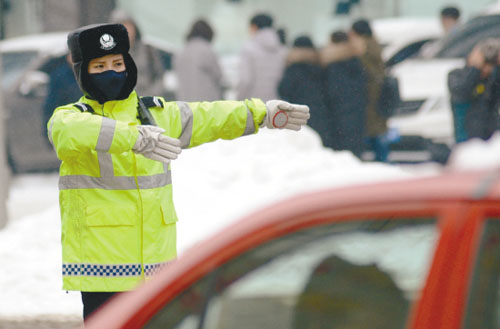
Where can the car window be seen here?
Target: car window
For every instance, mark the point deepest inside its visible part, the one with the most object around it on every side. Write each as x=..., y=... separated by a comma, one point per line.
x=13, y=66
x=460, y=42
x=463, y=47
x=354, y=274
x=483, y=309
x=409, y=51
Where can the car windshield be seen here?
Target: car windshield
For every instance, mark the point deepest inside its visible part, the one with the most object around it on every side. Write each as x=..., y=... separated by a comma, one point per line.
x=13, y=65
x=459, y=43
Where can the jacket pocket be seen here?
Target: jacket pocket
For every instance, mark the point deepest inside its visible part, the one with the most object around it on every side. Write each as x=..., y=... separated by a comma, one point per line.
x=168, y=213
x=115, y=215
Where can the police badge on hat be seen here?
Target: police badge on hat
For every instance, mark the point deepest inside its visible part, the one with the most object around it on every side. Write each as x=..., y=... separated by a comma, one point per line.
x=107, y=41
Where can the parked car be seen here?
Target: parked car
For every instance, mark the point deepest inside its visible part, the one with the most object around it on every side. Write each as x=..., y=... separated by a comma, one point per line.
x=26, y=64
x=417, y=253
x=424, y=117
x=24, y=90
x=402, y=38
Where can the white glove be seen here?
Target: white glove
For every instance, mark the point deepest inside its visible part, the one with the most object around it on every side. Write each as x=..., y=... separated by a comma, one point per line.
x=155, y=146
x=281, y=114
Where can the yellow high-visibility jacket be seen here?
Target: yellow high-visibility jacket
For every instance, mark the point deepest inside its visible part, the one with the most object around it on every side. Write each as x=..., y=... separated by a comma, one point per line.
x=117, y=212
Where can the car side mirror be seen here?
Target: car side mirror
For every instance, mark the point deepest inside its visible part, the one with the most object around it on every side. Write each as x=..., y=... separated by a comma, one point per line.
x=34, y=84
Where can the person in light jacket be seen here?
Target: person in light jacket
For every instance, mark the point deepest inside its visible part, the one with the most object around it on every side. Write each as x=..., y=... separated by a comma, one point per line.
x=262, y=61
x=197, y=67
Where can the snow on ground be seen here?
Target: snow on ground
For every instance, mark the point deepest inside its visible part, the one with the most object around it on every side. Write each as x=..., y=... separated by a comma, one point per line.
x=214, y=184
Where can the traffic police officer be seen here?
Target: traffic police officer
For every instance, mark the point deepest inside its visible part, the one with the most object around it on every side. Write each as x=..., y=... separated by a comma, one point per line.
x=117, y=212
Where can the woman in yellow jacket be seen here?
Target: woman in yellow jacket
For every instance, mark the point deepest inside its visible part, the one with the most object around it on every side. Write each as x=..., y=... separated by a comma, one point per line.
x=118, y=217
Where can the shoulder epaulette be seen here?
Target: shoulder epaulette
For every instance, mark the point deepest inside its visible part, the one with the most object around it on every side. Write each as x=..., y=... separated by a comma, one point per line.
x=152, y=101
x=84, y=107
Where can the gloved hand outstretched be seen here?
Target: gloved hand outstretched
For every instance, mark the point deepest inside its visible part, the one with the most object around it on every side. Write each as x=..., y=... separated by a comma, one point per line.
x=155, y=146
x=281, y=114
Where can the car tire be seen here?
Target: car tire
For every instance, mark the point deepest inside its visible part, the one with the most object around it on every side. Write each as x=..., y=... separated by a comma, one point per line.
x=440, y=152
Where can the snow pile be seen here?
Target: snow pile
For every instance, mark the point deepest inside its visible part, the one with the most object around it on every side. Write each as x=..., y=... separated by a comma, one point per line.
x=219, y=182
x=476, y=154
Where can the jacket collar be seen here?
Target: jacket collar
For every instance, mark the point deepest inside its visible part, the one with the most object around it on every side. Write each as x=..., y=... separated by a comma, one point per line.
x=111, y=108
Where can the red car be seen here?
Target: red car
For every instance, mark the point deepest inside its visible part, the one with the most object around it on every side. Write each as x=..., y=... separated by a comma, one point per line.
x=420, y=253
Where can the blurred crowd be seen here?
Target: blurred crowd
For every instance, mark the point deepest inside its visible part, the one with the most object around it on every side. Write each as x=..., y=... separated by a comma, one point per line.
x=342, y=81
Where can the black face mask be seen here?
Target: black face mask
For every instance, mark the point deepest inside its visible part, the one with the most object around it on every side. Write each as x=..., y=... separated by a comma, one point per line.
x=109, y=83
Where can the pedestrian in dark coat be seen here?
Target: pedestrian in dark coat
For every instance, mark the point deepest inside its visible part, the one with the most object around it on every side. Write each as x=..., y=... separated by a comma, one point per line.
x=302, y=83
x=370, y=52
x=475, y=93
x=346, y=94
x=62, y=89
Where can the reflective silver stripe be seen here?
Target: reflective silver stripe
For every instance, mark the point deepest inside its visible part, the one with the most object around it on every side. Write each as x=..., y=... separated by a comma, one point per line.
x=157, y=101
x=105, y=164
x=104, y=142
x=83, y=107
x=106, y=135
x=50, y=133
x=250, y=127
x=72, y=182
x=78, y=269
x=154, y=181
x=187, y=124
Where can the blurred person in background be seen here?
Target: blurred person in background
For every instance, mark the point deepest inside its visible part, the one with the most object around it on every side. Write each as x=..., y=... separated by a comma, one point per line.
x=147, y=58
x=282, y=36
x=302, y=83
x=199, y=74
x=450, y=19
x=340, y=294
x=262, y=61
x=118, y=220
x=368, y=49
x=475, y=92
x=346, y=93
x=62, y=89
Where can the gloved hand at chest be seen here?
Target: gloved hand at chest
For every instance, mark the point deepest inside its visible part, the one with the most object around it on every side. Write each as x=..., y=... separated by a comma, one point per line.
x=284, y=115
x=155, y=146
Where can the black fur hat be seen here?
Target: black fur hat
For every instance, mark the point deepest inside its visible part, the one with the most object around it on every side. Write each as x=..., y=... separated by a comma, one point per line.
x=93, y=41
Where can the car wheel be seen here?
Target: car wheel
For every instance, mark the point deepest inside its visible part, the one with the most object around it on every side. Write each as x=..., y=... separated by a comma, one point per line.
x=439, y=152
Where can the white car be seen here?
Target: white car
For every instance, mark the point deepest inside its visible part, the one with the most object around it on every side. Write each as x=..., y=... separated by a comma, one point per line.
x=403, y=37
x=426, y=109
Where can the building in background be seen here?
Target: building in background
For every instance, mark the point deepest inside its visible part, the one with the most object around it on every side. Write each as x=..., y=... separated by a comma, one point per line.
x=169, y=19
x=22, y=17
